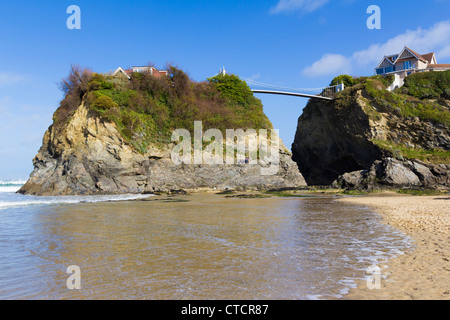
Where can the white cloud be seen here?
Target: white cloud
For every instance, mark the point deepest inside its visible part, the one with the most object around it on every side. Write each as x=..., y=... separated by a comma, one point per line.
x=255, y=76
x=328, y=64
x=294, y=5
x=435, y=39
x=7, y=78
x=445, y=52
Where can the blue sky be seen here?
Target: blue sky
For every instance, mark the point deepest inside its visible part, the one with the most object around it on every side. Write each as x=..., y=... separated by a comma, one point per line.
x=295, y=43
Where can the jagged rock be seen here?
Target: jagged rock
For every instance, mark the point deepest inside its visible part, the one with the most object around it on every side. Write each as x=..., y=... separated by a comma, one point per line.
x=423, y=173
x=353, y=180
x=396, y=173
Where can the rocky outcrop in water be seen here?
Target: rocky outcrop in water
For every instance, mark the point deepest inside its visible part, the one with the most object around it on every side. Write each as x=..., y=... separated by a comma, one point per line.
x=369, y=137
x=89, y=156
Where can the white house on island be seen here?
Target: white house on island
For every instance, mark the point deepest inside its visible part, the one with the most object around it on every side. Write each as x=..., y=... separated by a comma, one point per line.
x=145, y=69
x=407, y=62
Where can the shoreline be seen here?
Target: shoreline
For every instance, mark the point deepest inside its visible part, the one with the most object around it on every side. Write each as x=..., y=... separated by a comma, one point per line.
x=422, y=273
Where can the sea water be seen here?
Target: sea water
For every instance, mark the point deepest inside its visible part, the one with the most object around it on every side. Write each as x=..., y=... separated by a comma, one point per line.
x=10, y=198
x=193, y=247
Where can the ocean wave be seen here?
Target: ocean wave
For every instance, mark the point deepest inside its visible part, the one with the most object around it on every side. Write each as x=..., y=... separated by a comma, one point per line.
x=9, y=188
x=11, y=185
x=34, y=200
x=12, y=182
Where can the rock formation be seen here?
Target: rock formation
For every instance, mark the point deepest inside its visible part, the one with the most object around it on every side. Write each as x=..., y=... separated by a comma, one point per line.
x=369, y=137
x=89, y=156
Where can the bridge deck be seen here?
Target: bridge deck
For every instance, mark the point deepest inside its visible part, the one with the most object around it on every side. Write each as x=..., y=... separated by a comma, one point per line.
x=291, y=94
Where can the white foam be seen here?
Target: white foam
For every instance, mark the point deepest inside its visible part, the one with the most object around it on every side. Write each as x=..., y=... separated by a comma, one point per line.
x=12, y=182
x=33, y=200
x=9, y=188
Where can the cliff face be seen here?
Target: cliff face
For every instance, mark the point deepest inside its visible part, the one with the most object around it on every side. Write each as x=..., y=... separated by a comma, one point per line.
x=368, y=136
x=330, y=141
x=89, y=156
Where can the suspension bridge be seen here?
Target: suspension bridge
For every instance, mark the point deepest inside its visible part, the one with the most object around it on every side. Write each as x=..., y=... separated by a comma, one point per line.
x=324, y=93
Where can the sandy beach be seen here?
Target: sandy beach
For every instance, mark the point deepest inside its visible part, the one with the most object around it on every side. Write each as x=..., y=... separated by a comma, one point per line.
x=423, y=273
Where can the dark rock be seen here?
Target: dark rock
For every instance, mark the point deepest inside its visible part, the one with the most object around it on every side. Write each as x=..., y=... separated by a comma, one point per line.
x=335, y=144
x=396, y=174
x=330, y=142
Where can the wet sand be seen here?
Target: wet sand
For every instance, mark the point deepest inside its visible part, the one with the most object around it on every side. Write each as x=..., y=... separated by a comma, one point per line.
x=424, y=272
x=232, y=246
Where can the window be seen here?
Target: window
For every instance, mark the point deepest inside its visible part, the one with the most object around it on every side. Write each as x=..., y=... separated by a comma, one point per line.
x=388, y=69
x=380, y=70
x=407, y=65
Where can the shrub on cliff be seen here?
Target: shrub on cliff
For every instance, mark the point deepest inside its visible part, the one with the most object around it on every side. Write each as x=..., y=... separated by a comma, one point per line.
x=233, y=90
x=347, y=80
x=146, y=109
x=428, y=85
x=412, y=100
x=74, y=87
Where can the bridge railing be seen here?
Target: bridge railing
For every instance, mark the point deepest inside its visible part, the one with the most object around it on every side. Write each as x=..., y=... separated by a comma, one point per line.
x=324, y=92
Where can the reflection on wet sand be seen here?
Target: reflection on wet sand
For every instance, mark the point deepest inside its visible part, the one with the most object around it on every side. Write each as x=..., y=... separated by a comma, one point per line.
x=209, y=247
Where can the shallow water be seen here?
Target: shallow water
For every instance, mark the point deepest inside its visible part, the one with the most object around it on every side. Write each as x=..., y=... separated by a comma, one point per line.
x=210, y=247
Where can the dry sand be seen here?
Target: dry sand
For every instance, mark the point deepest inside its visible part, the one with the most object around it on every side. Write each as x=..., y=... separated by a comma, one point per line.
x=423, y=273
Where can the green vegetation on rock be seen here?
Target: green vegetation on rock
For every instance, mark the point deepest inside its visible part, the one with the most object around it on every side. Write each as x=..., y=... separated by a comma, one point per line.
x=422, y=192
x=428, y=85
x=147, y=109
x=403, y=152
x=420, y=97
x=423, y=102
x=347, y=80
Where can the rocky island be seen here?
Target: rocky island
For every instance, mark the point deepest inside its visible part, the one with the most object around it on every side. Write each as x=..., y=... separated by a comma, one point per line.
x=370, y=137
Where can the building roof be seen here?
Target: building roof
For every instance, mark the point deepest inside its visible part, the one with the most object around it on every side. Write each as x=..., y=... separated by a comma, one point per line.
x=129, y=72
x=428, y=56
x=442, y=65
x=125, y=72
x=387, y=59
x=147, y=67
x=418, y=56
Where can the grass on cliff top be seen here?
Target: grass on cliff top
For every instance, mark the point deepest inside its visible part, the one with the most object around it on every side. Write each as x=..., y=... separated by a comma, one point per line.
x=422, y=192
x=147, y=109
x=420, y=96
x=401, y=151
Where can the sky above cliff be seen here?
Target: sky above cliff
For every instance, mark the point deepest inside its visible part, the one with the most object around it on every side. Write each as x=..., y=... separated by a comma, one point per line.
x=294, y=43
